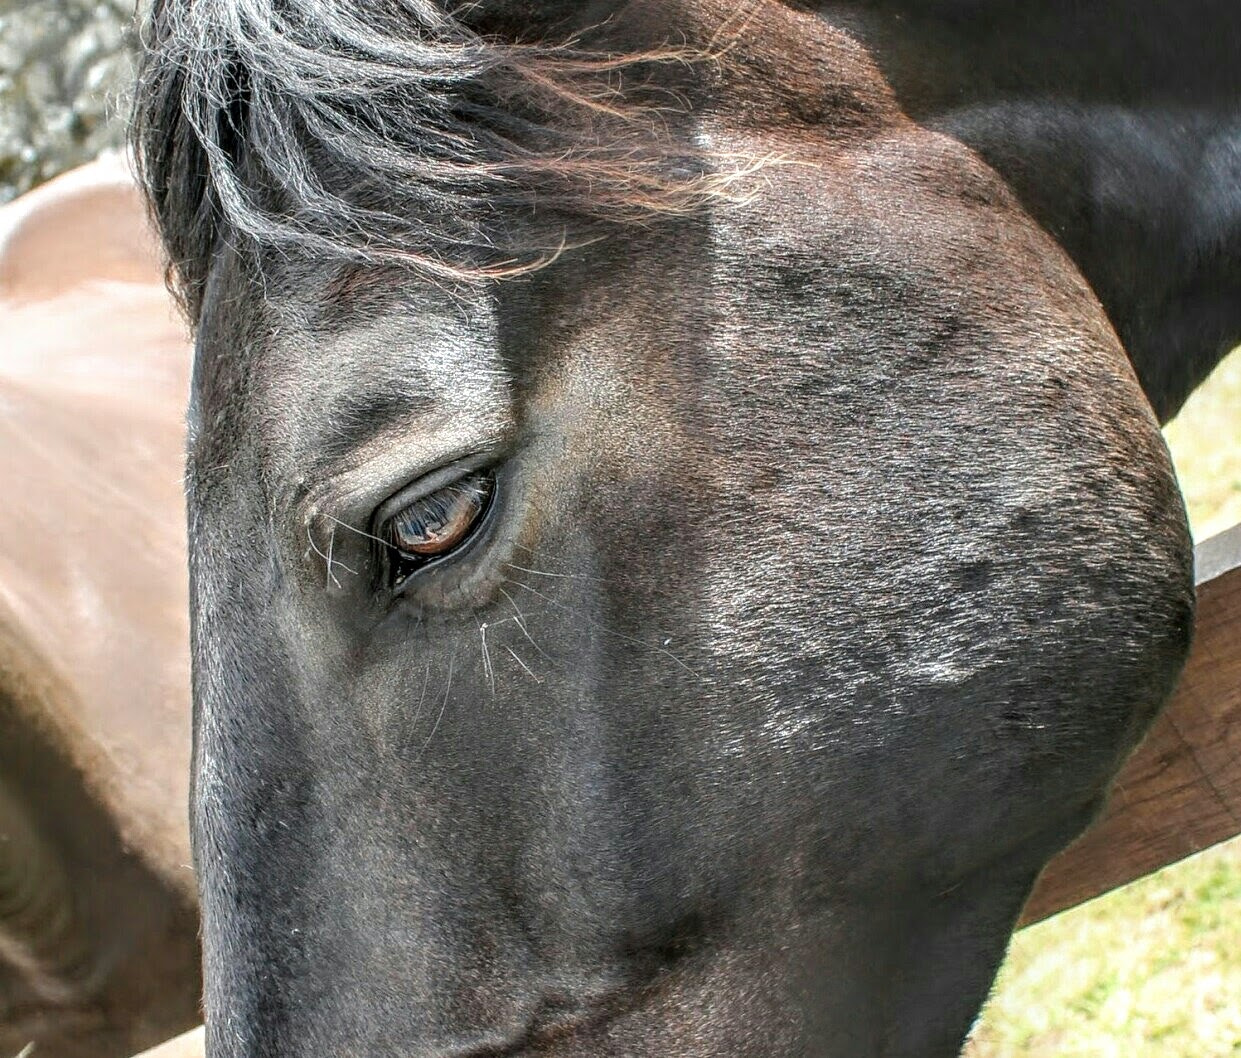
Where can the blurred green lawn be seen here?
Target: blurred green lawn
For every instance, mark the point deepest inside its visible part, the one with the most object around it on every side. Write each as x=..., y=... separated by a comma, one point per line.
x=1153, y=969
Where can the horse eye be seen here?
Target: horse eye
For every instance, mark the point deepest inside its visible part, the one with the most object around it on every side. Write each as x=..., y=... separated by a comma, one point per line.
x=435, y=525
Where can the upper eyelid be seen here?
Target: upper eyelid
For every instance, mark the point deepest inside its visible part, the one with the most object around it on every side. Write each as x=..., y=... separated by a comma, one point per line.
x=359, y=496
x=427, y=498
x=428, y=484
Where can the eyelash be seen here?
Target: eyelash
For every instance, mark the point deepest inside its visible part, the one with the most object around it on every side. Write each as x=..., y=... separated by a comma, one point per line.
x=444, y=521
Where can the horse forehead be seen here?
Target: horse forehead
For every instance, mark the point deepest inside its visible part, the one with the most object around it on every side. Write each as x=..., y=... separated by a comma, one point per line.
x=902, y=211
x=418, y=366
x=827, y=198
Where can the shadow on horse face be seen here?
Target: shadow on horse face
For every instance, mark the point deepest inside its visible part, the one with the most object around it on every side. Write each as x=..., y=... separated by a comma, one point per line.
x=818, y=562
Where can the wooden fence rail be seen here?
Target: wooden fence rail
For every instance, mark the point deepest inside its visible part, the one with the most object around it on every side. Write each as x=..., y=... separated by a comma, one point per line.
x=1180, y=792
x=187, y=1045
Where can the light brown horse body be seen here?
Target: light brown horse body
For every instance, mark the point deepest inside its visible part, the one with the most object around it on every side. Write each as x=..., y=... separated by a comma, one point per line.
x=97, y=908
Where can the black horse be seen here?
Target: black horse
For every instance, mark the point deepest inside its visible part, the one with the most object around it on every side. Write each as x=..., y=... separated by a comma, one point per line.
x=676, y=542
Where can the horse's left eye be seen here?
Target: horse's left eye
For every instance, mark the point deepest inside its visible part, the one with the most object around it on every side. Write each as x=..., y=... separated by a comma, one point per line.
x=437, y=524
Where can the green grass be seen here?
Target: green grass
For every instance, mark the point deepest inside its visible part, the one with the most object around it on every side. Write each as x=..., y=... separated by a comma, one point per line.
x=1206, y=446
x=1152, y=970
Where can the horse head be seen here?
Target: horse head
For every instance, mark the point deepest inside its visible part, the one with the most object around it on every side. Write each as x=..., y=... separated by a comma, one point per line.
x=675, y=545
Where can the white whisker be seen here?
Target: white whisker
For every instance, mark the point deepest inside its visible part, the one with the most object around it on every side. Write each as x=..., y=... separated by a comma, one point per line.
x=521, y=623
x=523, y=665
x=603, y=628
x=352, y=529
x=331, y=548
x=326, y=558
x=487, y=666
x=443, y=706
x=543, y=573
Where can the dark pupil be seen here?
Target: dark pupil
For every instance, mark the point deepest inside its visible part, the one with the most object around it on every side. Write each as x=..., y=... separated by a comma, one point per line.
x=436, y=524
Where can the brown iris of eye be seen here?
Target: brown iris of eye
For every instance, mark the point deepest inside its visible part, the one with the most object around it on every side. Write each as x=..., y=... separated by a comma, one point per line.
x=438, y=523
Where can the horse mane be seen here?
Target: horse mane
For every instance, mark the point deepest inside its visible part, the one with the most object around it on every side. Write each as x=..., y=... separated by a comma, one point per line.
x=392, y=132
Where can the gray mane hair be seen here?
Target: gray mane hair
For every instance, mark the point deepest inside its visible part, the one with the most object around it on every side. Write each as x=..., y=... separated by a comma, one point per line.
x=391, y=132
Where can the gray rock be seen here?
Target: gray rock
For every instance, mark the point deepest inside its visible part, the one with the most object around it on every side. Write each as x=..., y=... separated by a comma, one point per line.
x=66, y=68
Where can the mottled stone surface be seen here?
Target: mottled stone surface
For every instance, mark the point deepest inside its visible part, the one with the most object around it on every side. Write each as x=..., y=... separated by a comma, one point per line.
x=65, y=73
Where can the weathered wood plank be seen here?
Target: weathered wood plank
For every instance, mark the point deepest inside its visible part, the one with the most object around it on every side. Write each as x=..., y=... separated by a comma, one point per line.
x=1180, y=792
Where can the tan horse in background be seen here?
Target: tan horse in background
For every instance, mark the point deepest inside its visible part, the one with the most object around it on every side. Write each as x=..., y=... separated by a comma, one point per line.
x=98, y=916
